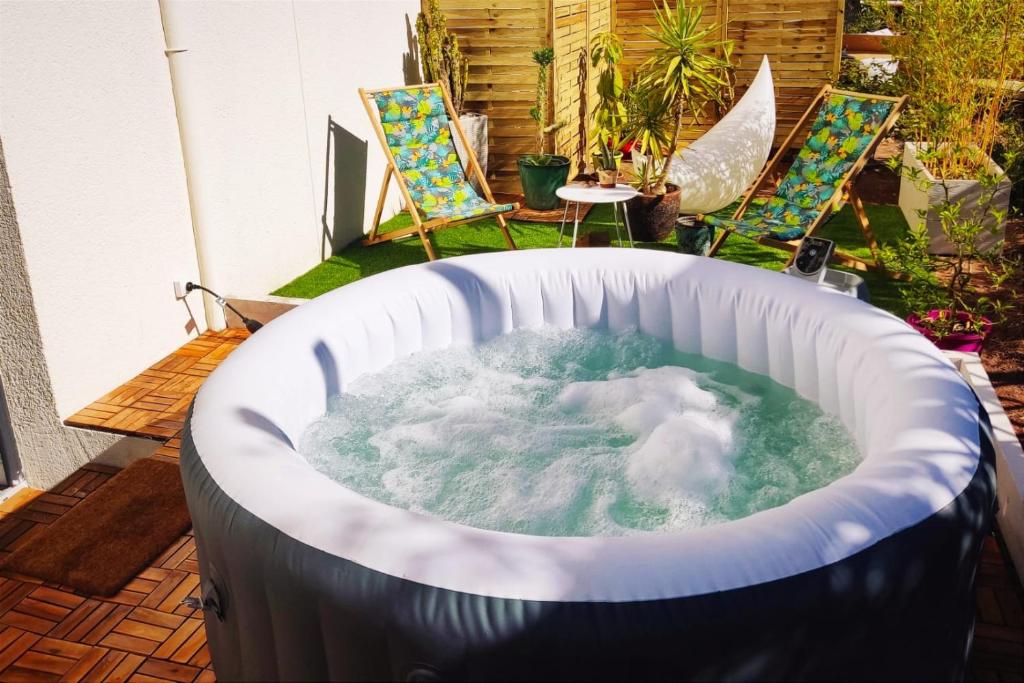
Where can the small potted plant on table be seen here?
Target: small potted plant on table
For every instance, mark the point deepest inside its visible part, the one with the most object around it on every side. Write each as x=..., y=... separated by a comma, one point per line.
x=689, y=70
x=610, y=112
x=542, y=174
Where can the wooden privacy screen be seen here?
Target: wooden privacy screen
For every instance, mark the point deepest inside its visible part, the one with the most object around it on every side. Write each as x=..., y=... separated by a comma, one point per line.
x=802, y=39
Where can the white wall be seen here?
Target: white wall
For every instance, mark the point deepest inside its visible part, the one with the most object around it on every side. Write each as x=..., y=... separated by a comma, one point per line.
x=99, y=220
x=255, y=83
x=91, y=146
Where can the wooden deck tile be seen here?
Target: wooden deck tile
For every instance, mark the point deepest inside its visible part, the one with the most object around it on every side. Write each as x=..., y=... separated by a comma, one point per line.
x=143, y=633
x=153, y=404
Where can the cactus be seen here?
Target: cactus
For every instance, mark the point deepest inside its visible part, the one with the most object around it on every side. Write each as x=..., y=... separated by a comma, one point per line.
x=443, y=61
x=543, y=59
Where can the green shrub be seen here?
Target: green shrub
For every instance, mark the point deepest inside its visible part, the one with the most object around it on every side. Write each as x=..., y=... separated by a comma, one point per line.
x=861, y=17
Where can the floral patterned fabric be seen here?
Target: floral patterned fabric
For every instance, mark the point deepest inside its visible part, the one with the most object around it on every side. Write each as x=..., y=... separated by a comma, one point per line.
x=840, y=134
x=759, y=220
x=416, y=128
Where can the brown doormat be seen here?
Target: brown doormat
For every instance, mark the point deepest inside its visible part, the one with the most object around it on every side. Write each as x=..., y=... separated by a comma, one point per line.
x=104, y=541
x=528, y=215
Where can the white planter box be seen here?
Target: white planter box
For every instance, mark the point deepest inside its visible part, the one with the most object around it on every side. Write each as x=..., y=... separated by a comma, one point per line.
x=1009, y=457
x=925, y=193
x=475, y=127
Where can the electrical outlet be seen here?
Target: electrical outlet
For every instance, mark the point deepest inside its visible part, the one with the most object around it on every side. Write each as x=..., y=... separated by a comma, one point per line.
x=179, y=289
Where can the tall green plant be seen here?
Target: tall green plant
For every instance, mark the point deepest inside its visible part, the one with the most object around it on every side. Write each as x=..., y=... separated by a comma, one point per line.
x=956, y=282
x=609, y=115
x=540, y=112
x=955, y=58
x=690, y=68
x=649, y=125
x=442, y=59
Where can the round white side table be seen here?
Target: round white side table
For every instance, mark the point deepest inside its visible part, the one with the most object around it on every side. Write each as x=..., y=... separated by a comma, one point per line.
x=595, y=194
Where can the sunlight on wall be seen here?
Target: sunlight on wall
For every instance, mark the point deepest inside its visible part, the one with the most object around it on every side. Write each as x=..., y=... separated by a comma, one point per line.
x=256, y=84
x=92, y=151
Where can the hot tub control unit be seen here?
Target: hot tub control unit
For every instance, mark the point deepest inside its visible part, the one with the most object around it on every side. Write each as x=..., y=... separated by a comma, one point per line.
x=812, y=258
x=811, y=265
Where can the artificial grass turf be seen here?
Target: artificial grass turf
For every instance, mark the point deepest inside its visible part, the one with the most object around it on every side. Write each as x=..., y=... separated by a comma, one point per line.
x=356, y=261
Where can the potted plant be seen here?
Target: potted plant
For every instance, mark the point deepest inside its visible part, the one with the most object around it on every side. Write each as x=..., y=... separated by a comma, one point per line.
x=609, y=113
x=689, y=70
x=956, y=58
x=444, y=63
x=649, y=128
x=946, y=293
x=541, y=174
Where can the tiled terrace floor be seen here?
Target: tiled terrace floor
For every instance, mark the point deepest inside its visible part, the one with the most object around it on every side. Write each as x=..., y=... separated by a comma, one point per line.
x=50, y=633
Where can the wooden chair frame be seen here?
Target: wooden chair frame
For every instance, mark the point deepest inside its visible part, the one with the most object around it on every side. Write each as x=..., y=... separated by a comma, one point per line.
x=421, y=225
x=844, y=190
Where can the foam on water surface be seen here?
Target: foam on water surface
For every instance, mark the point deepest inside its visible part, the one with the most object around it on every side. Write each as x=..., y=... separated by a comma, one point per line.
x=576, y=433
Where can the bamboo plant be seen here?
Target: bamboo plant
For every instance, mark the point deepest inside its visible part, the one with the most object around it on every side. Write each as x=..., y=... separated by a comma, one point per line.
x=442, y=59
x=956, y=57
x=690, y=69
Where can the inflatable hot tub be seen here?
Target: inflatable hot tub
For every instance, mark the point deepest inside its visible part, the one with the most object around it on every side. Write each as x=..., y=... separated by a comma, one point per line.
x=868, y=578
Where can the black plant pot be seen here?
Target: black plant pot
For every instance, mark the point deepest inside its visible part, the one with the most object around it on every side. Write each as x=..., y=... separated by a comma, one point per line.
x=654, y=215
x=540, y=182
x=693, y=236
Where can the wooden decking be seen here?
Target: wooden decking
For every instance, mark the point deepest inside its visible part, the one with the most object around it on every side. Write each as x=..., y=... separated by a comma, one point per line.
x=50, y=633
x=153, y=405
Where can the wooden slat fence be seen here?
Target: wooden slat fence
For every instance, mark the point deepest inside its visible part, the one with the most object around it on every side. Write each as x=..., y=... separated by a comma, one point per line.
x=498, y=37
x=802, y=38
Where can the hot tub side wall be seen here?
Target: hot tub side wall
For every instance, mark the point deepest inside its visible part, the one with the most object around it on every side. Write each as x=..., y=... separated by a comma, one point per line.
x=901, y=609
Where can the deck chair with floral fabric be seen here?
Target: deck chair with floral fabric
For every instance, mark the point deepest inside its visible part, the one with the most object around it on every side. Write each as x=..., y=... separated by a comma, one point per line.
x=413, y=126
x=842, y=139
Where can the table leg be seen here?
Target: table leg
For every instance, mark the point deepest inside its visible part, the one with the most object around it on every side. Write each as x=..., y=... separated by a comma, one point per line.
x=629, y=231
x=576, y=224
x=561, y=229
x=615, y=213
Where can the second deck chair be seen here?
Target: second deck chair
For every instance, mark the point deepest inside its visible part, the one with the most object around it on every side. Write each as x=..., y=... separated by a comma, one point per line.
x=413, y=126
x=842, y=139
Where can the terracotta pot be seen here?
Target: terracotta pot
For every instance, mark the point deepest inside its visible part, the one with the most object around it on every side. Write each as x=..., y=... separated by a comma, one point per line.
x=971, y=342
x=607, y=179
x=653, y=216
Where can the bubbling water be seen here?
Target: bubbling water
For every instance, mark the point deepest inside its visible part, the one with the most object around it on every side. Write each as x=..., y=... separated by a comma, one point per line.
x=576, y=433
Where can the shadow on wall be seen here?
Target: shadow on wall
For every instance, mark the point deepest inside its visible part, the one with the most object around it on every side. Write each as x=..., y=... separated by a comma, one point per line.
x=348, y=189
x=348, y=168
x=411, y=59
